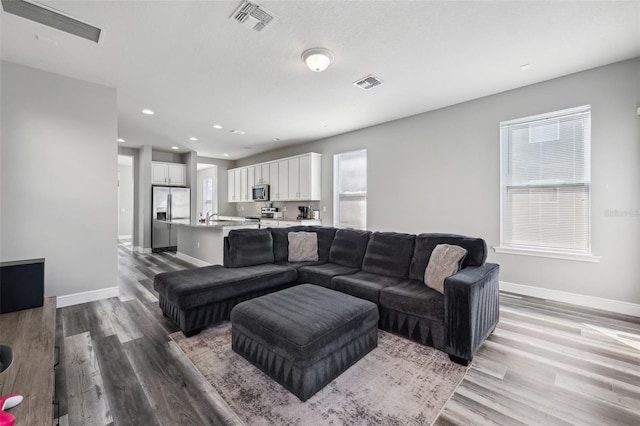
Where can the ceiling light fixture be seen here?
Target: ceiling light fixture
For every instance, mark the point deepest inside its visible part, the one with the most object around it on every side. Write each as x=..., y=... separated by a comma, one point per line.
x=525, y=67
x=175, y=147
x=120, y=140
x=317, y=58
x=193, y=139
x=217, y=126
x=237, y=132
x=147, y=111
x=225, y=155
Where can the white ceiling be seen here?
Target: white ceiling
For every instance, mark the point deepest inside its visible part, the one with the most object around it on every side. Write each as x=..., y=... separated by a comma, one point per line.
x=194, y=67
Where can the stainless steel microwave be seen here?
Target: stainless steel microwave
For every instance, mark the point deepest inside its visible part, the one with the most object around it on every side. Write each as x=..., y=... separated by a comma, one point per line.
x=260, y=193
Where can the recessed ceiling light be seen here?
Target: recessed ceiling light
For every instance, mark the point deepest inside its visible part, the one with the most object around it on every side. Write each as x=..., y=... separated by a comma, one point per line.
x=175, y=147
x=525, y=67
x=237, y=132
x=275, y=139
x=193, y=139
x=225, y=155
x=147, y=111
x=120, y=140
x=217, y=126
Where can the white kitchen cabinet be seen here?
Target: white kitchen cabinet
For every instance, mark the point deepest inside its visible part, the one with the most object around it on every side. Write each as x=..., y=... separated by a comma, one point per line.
x=304, y=177
x=231, y=186
x=244, y=183
x=168, y=174
x=261, y=174
x=294, y=179
x=250, y=182
x=283, y=180
x=238, y=184
x=274, y=188
x=266, y=223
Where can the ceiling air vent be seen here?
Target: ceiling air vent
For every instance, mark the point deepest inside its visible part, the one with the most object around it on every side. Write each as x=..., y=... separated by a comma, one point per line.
x=51, y=18
x=253, y=16
x=368, y=82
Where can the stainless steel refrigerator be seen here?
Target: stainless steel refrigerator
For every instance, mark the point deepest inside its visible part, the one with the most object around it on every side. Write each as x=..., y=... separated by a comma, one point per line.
x=170, y=204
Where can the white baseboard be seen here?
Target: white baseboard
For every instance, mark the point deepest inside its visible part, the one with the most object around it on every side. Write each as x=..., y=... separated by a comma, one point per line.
x=190, y=259
x=573, y=298
x=87, y=296
x=142, y=250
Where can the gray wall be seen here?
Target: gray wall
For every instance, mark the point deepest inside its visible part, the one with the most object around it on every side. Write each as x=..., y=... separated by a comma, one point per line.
x=58, y=178
x=440, y=172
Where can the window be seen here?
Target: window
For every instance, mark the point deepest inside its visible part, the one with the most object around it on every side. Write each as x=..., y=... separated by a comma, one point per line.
x=545, y=182
x=207, y=195
x=350, y=190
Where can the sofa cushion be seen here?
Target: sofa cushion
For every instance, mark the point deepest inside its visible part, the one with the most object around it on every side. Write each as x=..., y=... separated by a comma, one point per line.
x=303, y=246
x=195, y=287
x=348, y=247
x=444, y=262
x=364, y=285
x=322, y=274
x=248, y=247
x=425, y=243
x=389, y=253
x=281, y=242
x=325, y=239
x=298, y=265
x=412, y=297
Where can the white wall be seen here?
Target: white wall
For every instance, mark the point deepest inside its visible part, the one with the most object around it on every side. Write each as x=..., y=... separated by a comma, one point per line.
x=58, y=178
x=440, y=172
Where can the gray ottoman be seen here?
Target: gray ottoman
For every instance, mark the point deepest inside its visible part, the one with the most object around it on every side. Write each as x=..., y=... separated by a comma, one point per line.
x=305, y=336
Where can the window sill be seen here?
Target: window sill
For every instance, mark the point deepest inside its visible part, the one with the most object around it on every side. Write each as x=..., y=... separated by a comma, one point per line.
x=549, y=254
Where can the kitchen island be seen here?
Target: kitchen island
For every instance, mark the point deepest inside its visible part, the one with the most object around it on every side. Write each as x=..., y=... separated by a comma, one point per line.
x=202, y=243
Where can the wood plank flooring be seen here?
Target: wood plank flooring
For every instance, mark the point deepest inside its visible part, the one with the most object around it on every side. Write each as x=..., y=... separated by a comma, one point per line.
x=546, y=364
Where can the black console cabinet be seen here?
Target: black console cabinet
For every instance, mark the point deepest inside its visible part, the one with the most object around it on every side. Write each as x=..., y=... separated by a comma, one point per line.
x=21, y=285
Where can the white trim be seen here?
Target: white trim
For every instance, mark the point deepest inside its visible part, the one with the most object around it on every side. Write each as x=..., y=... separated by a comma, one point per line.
x=548, y=254
x=87, y=296
x=124, y=236
x=142, y=250
x=573, y=298
x=190, y=259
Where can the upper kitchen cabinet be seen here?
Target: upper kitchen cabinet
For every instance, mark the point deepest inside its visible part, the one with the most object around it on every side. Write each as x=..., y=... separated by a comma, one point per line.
x=304, y=177
x=290, y=179
x=261, y=174
x=168, y=174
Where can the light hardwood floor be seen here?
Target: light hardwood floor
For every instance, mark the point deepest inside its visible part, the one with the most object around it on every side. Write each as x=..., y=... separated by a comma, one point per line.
x=546, y=363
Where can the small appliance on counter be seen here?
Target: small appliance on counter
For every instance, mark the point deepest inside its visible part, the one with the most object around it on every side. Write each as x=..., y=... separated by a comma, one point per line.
x=269, y=212
x=260, y=193
x=305, y=212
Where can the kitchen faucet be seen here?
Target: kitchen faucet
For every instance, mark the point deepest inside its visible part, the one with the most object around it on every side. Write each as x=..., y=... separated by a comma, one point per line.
x=210, y=216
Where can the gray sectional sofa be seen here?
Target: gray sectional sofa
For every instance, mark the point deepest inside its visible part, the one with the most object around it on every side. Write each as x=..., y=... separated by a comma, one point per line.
x=383, y=267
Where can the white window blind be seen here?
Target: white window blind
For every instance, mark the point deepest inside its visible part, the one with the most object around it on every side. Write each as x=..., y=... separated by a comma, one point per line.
x=546, y=181
x=350, y=190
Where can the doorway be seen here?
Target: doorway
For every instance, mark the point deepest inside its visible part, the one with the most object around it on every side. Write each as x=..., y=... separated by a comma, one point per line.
x=125, y=199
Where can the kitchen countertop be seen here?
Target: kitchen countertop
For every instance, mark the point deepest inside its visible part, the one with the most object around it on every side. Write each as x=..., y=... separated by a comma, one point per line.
x=291, y=220
x=215, y=224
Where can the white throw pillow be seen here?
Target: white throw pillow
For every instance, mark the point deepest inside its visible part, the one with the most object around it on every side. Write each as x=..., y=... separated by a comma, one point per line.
x=445, y=261
x=303, y=246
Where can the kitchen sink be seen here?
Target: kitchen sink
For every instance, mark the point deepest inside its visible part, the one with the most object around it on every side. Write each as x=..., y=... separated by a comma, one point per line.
x=6, y=357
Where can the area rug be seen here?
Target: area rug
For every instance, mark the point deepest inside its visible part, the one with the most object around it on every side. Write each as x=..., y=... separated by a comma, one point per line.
x=398, y=383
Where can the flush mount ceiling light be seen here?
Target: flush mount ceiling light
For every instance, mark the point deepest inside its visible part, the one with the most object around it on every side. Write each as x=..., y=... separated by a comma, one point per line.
x=174, y=147
x=147, y=111
x=193, y=139
x=317, y=58
x=217, y=126
x=120, y=140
